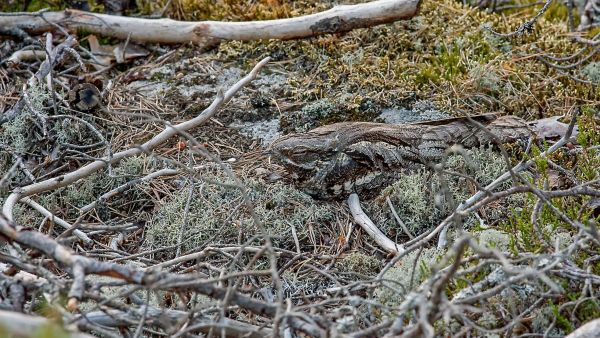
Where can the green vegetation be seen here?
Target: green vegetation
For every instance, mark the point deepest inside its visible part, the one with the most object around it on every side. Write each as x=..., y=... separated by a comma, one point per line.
x=446, y=55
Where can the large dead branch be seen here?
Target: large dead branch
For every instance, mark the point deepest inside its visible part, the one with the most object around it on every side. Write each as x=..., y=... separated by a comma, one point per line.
x=232, y=328
x=336, y=20
x=20, y=325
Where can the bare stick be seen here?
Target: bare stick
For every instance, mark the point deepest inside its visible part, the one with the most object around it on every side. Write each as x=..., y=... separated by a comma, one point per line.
x=336, y=20
x=26, y=55
x=39, y=208
x=398, y=219
x=116, y=318
x=123, y=187
x=365, y=222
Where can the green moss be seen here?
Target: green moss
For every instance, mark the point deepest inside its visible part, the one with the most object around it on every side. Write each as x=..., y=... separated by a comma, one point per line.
x=588, y=310
x=561, y=321
x=36, y=5
x=558, y=12
x=438, y=55
x=447, y=62
x=230, y=10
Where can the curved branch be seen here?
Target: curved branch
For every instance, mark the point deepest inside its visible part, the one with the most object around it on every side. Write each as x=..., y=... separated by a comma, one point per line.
x=365, y=222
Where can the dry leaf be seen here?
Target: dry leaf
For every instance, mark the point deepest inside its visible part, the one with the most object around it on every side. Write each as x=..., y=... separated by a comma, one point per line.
x=106, y=54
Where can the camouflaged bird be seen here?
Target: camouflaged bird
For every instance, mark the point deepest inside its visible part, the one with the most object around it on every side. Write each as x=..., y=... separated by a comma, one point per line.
x=337, y=159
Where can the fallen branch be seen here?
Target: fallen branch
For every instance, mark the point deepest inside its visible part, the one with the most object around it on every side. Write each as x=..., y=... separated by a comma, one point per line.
x=46, y=213
x=589, y=330
x=20, y=325
x=365, y=222
x=336, y=20
x=116, y=318
x=26, y=55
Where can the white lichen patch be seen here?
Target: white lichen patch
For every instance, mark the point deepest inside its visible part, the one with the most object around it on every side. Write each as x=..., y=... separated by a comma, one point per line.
x=266, y=131
x=420, y=111
x=423, y=198
x=16, y=135
x=406, y=275
x=219, y=214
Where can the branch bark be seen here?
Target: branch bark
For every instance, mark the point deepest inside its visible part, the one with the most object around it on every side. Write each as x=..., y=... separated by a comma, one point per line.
x=21, y=325
x=336, y=20
x=365, y=222
x=232, y=328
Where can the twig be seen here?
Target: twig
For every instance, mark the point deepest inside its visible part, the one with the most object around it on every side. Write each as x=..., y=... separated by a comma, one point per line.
x=365, y=222
x=45, y=212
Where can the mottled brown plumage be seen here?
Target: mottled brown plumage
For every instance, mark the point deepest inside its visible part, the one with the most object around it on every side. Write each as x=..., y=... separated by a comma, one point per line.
x=337, y=159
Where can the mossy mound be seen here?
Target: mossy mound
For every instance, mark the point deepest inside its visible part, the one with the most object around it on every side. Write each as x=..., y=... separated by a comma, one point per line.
x=218, y=215
x=447, y=55
x=422, y=199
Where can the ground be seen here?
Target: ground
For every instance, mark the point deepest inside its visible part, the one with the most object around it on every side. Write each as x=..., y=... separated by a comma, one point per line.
x=445, y=62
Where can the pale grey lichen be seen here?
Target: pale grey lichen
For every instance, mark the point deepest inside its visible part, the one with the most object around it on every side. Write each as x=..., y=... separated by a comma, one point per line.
x=397, y=281
x=360, y=263
x=411, y=198
x=17, y=133
x=592, y=72
x=313, y=112
x=485, y=78
x=542, y=318
x=423, y=198
x=489, y=320
x=89, y=189
x=217, y=212
x=421, y=110
x=494, y=239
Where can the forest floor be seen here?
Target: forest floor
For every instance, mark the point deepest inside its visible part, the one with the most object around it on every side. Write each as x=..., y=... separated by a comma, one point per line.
x=523, y=264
